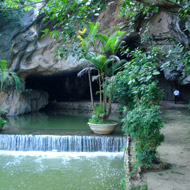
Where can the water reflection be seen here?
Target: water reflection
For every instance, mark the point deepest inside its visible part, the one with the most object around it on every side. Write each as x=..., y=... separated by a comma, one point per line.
x=57, y=123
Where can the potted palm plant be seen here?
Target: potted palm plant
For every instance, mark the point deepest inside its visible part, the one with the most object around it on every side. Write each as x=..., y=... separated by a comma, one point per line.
x=100, y=50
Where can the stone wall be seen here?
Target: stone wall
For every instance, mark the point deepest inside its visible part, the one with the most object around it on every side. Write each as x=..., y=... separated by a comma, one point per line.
x=80, y=106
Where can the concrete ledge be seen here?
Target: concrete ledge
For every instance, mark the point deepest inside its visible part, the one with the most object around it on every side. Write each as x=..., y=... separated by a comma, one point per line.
x=82, y=106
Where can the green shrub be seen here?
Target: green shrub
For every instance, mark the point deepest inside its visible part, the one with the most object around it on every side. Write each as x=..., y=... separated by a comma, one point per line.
x=2, y=122
x=136, y=87
x=143, y=125
x=98, y=115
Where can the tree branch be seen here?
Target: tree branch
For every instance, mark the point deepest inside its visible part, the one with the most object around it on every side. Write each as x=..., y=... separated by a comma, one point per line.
x=22, y=7
x=166, y=4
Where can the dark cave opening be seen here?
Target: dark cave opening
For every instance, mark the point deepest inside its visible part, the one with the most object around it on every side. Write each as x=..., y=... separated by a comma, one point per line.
x=168, y=87
x=67, y=87
x=63, y=87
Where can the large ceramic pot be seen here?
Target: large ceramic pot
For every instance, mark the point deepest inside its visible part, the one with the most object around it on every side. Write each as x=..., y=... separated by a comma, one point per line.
x=102, y=129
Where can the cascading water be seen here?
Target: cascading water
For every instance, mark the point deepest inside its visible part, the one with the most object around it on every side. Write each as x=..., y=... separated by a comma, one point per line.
x=62, y=143
x=52, y=151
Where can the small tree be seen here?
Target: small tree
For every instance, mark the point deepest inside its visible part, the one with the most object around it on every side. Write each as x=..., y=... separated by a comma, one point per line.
x=137, y=84
x=100, y=49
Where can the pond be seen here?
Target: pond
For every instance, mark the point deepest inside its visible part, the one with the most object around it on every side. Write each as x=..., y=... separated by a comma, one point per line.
x=57, y=123
x=36, y=153
x=60, y=171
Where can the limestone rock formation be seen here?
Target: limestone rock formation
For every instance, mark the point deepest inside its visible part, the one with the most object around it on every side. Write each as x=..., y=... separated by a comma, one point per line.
x=18, y=102
x=30, y=55
x=164, y=26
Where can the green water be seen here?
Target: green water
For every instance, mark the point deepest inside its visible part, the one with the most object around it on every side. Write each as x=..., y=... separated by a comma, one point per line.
x=54, y=171
x=56, y=123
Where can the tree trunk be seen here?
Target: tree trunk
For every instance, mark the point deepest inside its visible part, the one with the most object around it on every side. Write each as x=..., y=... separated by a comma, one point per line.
x=109, y=105
x=91, y=94
x=100, y=87
x=110, y=100
x=105, y=99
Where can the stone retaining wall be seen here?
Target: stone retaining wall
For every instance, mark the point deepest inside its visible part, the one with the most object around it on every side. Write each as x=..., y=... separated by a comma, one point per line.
x=133, y=179
x=81, y=106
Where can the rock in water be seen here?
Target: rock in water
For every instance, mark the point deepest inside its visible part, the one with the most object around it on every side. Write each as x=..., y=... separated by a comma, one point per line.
x=18, y=102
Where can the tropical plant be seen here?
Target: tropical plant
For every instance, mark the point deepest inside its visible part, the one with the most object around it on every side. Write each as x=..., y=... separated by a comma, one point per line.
x=100, y=50
x=12, y=5
x=8, y=79
x=2, y=122
x=136, y=83
x=143, y=125
x=136, y=87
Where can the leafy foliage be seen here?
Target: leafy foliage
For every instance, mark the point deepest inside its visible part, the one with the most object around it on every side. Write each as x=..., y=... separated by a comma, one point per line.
x=184, y=8
x=70, y=17
x=143, y=125
x=97, y=115
x=2, y=122
x=10, y=5
x=8, y=79
x=136, y=83
x=12, y=10
x=136, y=87
x=177, y=58
x=100, y=50
x=135, y=10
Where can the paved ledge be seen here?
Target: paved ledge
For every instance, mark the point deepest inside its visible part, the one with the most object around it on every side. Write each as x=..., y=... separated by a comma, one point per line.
x=175, y=150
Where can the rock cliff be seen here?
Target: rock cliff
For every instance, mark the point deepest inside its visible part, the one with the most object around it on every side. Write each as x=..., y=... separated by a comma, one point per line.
x=30, y=55
x=17, y=102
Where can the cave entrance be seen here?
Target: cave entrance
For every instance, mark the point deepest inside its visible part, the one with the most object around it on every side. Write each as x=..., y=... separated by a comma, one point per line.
x=63, y=87
x=67, y=87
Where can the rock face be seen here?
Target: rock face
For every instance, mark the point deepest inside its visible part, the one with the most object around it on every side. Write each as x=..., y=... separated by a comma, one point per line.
x=30, y=55
x=17, y=102
x=164, y=26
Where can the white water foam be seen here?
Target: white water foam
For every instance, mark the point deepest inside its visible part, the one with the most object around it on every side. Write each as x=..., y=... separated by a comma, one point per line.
x=55, y=154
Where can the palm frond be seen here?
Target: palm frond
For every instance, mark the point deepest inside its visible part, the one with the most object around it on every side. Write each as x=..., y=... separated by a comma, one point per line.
x=85, y=70
x=115, y=58
x=4, y=76
x=113, y=42
x=102, y=38
x=3, y=65
x=93, y=30
x=16, y=79
x=7, y=77
x=95, y=78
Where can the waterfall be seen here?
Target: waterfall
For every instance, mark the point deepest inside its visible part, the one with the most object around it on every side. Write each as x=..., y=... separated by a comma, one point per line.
x=62, y=143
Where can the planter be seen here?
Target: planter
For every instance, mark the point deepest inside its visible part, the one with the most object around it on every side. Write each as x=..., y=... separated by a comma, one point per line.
x=102, y=129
